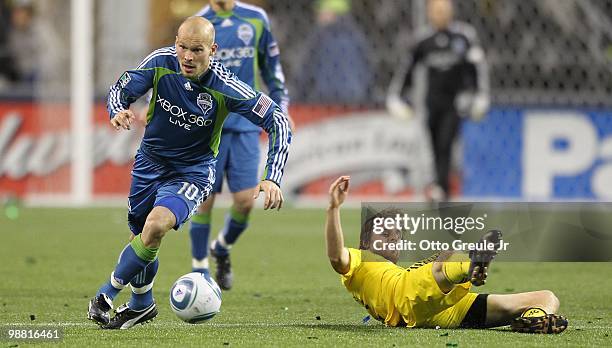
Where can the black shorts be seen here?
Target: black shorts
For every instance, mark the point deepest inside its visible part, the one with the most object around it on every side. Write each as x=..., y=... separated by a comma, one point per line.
x=476, y=316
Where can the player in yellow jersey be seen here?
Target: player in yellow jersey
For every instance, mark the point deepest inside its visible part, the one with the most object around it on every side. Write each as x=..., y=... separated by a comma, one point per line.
x=431, y=293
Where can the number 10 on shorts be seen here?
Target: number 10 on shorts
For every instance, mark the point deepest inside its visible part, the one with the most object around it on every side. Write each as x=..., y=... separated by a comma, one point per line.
x=189, y=190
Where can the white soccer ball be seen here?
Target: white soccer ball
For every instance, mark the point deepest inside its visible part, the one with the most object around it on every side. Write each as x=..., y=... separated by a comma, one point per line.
x=194, y=298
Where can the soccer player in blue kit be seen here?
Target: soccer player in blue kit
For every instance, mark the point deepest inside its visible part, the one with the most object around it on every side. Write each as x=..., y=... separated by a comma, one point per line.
x=248, y=49
x=174, y=168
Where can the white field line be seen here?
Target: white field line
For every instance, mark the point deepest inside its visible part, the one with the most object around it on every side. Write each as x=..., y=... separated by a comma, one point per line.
x=228, y=325
x=158, y=324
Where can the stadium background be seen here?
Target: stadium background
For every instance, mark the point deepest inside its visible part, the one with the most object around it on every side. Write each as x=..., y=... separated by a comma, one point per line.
x=546, y=137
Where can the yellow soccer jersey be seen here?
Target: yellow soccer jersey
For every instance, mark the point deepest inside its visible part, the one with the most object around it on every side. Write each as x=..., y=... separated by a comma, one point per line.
x=372, y=284
x=404, y=297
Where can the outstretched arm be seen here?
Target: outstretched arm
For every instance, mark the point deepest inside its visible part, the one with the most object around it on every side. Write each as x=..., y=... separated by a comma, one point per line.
x=401, y=85
x=131, y=85
x=262, y=111
x=338, y=255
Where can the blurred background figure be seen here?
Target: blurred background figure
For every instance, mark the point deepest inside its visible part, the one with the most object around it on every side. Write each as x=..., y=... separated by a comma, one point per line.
x=335, y=67
x=251, y=54
x=34, y=49
x=23, y=41
x=456, y=84
x=8, y=71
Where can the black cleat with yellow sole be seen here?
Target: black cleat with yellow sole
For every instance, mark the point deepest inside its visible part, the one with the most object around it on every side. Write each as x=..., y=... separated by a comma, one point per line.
x=536, y=320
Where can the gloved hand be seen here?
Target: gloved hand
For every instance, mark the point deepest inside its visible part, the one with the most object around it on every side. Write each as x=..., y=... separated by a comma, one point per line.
x=480, y=106
x=399, y=108
x=472, y=105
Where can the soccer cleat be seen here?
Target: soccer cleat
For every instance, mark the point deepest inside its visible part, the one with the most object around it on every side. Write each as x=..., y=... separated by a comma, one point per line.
x=98, y=309
x=204, y=271
x=483, y=258
x=224, y=275
x=541, y=324
x=534, y=312
x=125, y=317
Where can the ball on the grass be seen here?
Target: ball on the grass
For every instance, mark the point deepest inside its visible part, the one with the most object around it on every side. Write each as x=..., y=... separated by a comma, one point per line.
x=195, y=298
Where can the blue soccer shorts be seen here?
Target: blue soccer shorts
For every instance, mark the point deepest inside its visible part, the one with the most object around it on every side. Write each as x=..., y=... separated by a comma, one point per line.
x=238, y=160
x=154, y=185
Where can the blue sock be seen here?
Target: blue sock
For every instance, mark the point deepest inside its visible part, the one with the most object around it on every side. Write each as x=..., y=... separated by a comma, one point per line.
x=205, y=272
x=142, y=287
x=109, y=289
x=235, y=224
x=199, y=232
x=133, y=259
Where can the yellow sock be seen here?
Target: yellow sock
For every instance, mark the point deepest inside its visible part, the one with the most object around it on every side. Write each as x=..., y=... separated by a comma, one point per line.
x=456, y=271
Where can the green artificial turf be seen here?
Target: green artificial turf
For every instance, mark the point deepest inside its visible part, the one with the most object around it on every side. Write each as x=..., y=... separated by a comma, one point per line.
x=52, y=261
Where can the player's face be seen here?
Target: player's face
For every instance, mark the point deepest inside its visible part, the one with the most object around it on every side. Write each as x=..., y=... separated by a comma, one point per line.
x=193, y=52
x=225, y=5
x=440, y=13
x=389, y=237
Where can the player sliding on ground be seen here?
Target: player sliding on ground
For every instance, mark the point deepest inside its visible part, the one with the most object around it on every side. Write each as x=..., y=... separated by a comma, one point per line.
x=431, y=293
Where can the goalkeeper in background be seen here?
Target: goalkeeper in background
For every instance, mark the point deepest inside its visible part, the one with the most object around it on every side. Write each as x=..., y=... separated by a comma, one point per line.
x=248, y=49
x=457, y=84
x=431, y=293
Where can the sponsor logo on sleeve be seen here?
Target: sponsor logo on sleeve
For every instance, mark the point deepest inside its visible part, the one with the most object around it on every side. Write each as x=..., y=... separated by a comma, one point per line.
x=273, y=50
x=125, y=79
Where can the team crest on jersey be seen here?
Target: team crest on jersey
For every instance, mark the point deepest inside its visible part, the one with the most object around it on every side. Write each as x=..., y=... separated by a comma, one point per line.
x=441, y=40
x=205, y=102
x=458, y=45
x=245, y=33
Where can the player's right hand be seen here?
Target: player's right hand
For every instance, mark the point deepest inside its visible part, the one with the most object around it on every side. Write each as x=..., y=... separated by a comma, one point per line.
x=123, y=119
x=399, y=108
x=338, y=191
x=291, y=124
x=480, y=106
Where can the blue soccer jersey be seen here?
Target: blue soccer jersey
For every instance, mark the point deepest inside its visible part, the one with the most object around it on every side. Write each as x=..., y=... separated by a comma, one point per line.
x=247, y=48
x=185, y=117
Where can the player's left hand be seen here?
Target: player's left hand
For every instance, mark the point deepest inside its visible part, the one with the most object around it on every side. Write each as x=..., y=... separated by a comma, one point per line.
x=273, y=196
x=480, y=106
